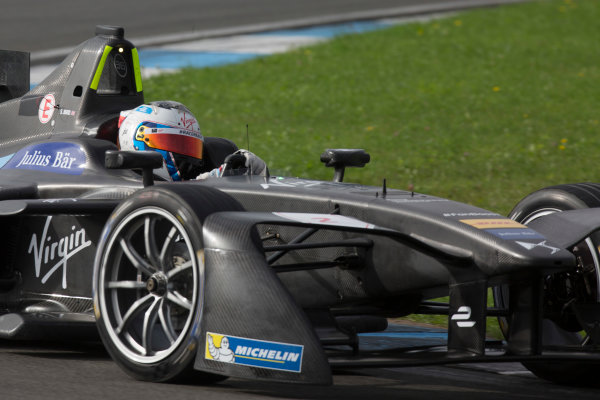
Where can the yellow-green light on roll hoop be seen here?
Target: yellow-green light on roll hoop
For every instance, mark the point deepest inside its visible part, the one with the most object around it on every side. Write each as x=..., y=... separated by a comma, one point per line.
x=136, y=69
x=98, y=73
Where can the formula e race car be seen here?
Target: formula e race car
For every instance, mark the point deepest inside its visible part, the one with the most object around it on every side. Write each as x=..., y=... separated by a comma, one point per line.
x=265, y=277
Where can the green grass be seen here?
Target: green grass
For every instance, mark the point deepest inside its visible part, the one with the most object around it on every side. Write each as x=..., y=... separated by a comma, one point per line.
x=475, y=107
x=481, y=107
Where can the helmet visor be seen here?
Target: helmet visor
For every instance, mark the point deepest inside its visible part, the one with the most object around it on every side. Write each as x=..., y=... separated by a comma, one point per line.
x=174, y=140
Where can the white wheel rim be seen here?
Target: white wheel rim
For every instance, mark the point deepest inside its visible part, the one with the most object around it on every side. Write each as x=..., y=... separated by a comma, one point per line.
x=167, y=313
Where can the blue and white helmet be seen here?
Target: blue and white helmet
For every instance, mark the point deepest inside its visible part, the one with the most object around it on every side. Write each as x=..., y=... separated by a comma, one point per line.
x=169, y=128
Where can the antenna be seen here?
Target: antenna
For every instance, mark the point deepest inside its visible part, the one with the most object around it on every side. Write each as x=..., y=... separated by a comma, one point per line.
x=247, y=137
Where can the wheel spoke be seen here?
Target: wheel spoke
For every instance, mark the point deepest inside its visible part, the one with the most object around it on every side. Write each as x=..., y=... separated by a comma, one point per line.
x=166, y=245
x=164, y=315
x=150, y=242
x=134, y=257
x=179, y=269
x=149, y=320
x=179, y=300
x=126, y=285
x=135, y=309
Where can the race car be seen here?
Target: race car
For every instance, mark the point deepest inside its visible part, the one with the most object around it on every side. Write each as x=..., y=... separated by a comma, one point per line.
x=265, y=277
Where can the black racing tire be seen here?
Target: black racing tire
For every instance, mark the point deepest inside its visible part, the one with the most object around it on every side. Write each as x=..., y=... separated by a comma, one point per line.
x=149, y=280
x=563, y=330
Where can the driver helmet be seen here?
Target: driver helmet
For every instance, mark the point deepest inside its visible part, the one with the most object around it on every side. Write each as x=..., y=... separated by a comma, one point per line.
x=169, y=128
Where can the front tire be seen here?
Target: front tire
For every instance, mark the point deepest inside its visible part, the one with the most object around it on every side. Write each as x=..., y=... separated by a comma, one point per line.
x=560, y=325
x=149, y=280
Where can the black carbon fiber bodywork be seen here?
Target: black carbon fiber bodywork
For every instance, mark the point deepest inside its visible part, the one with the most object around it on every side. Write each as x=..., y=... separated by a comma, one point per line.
x=236, y=271
x=436, y=222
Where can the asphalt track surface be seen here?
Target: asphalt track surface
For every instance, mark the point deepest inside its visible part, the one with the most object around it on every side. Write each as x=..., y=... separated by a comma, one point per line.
x=33, y=370
x=84, y=371
x=39, y=26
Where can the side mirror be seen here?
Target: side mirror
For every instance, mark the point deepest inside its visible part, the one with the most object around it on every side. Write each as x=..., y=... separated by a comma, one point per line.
x=235, y=161
x=342, y=158
x=147, y=161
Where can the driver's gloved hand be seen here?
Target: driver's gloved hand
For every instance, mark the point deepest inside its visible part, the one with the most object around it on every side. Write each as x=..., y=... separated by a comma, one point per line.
x=248, y=164
x=254, y=164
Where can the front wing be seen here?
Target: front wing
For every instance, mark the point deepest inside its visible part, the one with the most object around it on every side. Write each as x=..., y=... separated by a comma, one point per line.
x=270, y=337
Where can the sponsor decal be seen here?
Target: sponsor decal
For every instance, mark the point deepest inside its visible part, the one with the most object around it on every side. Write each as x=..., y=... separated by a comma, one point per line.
x=305, y=183
x=462, y=317
x=415, y=200
x=120, y=65
x=53, y=253
x=144, y=109
x=504, y=228
x=325, y=219
x=492, y=223
x=471, y=214
x=531, y=246
x=253, y=352
x=67, y=112
x=59, y=157
x=188, y=121
x=514, y=234
x=190, y=133
x=46, y=108
x=153, y=127
x=52, y=201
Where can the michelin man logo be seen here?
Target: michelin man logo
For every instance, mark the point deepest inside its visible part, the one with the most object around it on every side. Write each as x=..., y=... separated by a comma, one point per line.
x=220, y=352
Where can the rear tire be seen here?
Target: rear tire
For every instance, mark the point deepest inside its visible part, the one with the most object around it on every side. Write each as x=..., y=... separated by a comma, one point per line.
x=561, y=327
x=149, y=280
